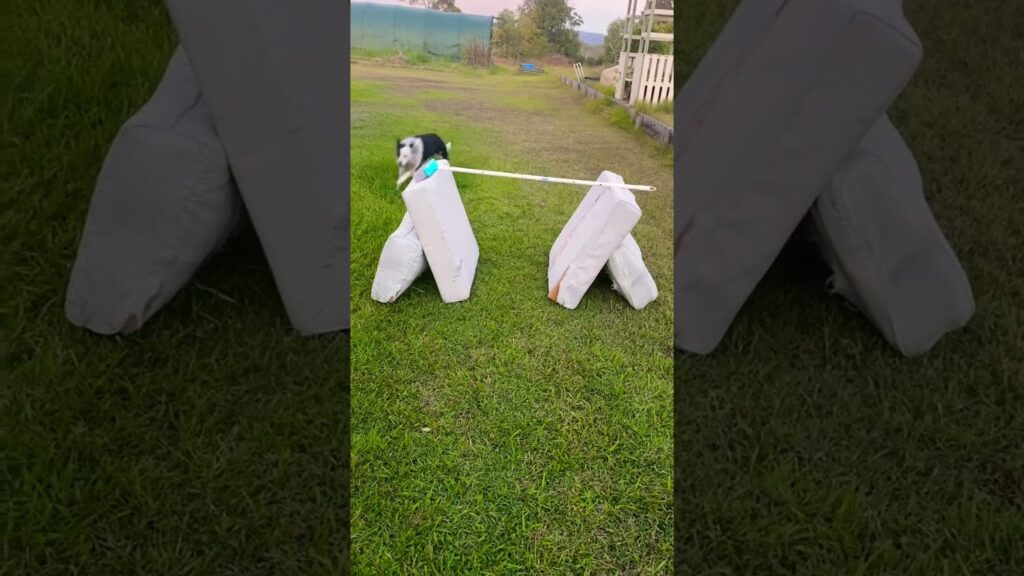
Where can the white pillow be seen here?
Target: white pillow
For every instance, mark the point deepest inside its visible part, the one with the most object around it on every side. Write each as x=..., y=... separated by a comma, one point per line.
x=401, y=262
x=601, y=222
x=442, y=225
x=164, y=200
x=270, y=72
x=888, y=255
x=630, y=276
x=770, y=115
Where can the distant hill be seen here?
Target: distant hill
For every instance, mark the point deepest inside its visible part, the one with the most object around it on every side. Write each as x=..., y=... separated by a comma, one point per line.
x=592, y=38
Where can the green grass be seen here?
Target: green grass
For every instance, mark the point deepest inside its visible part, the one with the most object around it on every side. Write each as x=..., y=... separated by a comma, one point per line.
x=606, y=89
x=209, y=443
x=662, y=112
x=613, y=114
x=805, y=445
x=418, y=59
x=408, y=57
x=549, y=442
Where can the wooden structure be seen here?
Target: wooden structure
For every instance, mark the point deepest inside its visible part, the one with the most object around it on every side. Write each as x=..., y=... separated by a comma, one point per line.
x=645, y=77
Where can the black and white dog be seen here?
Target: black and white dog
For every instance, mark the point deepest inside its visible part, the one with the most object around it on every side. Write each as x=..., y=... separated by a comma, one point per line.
x=415, y=151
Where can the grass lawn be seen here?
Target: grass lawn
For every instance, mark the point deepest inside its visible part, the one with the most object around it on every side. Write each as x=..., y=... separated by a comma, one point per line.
x=806, y=445
x=550, y=437
x=662, y=112
x=211, y=442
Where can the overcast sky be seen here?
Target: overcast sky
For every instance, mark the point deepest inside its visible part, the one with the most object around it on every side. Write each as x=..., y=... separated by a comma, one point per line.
x=596, y=14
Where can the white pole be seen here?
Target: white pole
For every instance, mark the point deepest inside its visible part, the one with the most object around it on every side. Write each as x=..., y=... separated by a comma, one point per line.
x=544, y=178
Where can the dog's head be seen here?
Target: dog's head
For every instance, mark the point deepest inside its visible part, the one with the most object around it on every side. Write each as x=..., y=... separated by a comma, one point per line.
x=408, y=152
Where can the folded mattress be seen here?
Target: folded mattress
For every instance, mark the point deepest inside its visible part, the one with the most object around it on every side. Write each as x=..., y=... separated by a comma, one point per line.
x=271, y=74
x=401, y=262
x=888, y=255
x=440, y=221
x=164, y=201
x=630, y=276
x=769, y=116
x=600, y=224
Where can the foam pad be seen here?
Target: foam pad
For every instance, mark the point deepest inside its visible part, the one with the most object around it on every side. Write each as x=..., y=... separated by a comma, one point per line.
x=770, y=115
x=401, y=262
x=164, y=200
x=630, y=276
x=443, y=227
x=272, y=74
x=595, y=230
x=888, y=255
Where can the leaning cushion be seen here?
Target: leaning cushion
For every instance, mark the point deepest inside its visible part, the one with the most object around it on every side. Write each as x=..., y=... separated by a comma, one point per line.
x=272, y=73
x=888, y=255
x=440, y=219
x=600, y=224
x=630, y=276
x=401, y=262
x=163, y=202
x=766, y=122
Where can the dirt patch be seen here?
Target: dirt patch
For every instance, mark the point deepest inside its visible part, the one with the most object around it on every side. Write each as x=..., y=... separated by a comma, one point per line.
x=505, y=62
x=472, y=110
x=380, y=69
x=426, y=93
x=428, y=401
x=401, y=83
x=558, y=60
x=406, y=82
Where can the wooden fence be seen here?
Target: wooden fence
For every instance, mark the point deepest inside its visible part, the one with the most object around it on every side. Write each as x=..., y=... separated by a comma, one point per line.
x=654, y=81
x=651, y=78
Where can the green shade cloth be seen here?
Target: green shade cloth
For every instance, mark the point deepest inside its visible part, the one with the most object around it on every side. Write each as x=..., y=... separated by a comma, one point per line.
x=441, y=34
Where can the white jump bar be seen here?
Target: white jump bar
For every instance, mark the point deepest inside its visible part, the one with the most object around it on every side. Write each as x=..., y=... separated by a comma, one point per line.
x=433, y=166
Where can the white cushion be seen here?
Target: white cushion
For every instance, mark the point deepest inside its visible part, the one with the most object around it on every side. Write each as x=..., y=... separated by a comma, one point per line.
x=630, y=276
x=401, y=262
x=771, y=114
x=164, y=201
x=888, y=255
x=444, y=231
x=270, y=74
x=599, y=225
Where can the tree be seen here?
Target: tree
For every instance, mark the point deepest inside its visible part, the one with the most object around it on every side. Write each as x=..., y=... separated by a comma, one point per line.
x=613, y=40
x=556, y=21
x=661, y=47
x=440, y=5
x=507, y=41
x=516, y=37
x=532, y=41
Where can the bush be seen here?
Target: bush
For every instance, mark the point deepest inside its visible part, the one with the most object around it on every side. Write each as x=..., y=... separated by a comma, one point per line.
x=476, y=54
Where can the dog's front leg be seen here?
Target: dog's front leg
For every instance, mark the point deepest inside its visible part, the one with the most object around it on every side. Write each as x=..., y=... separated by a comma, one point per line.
x=402, y=178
